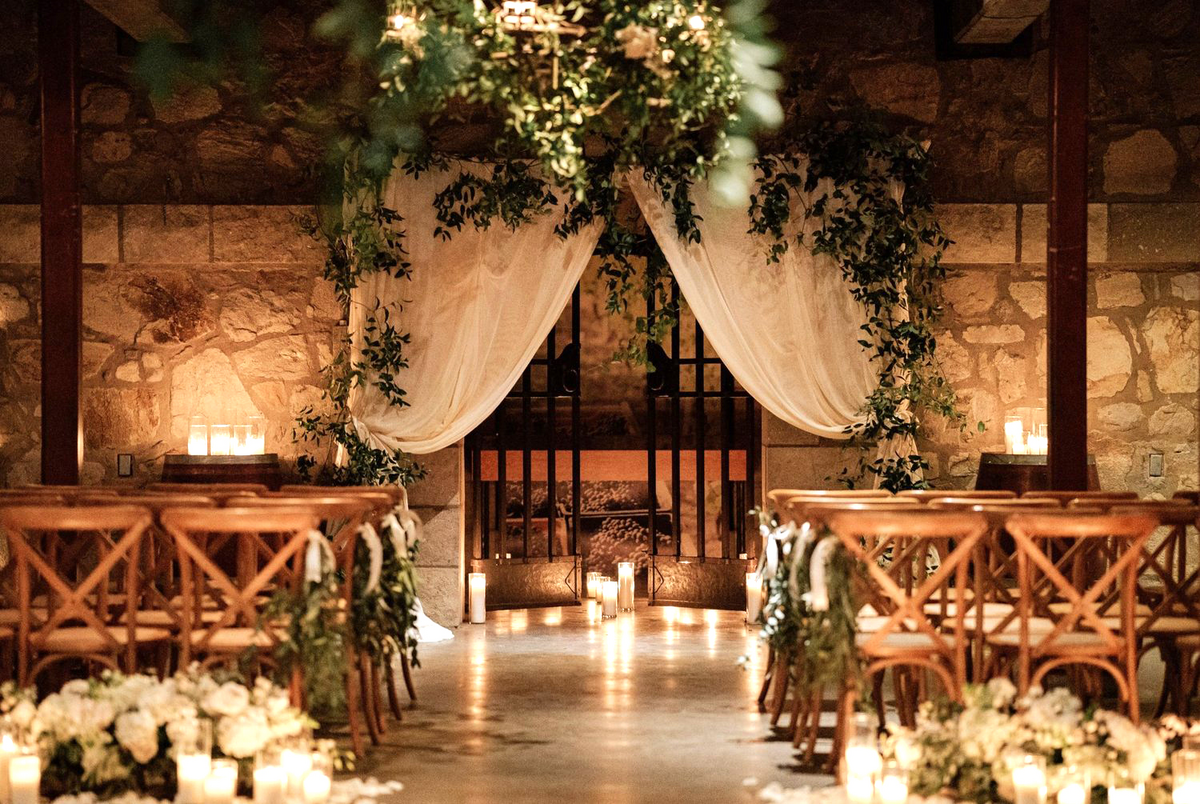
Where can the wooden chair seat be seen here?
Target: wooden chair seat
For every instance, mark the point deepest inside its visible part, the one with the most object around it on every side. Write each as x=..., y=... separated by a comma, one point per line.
x=905, y=643
x=1163, y=626
x=990, y=610
x=85, y=639
x=1078, y=641
x=236, y=640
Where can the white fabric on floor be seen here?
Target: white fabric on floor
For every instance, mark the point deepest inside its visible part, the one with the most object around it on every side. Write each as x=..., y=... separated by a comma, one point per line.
x=476, y=309
x=788, y=331
x=427, y=630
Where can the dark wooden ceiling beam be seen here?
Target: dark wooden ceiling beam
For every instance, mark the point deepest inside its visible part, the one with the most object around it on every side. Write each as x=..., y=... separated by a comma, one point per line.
x=994, y=22
x=141, y=19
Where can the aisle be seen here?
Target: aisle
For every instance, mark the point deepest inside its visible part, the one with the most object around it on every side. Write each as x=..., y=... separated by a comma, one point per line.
x=544, y=705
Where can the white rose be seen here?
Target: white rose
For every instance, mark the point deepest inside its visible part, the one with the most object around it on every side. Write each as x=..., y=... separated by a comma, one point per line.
x=137, y=732
x=183, y=730
x=229, y=700
x=76, y=686
x=245, y=735
x=23, y=713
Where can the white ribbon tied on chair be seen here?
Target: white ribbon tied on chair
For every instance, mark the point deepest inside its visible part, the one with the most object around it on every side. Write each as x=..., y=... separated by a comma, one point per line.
x=375, y=548
x=818, y=589
x=395, y=532
x=317, y=556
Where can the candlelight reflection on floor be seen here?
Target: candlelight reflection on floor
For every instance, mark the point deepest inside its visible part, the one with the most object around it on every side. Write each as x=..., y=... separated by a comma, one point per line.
x=559, y=704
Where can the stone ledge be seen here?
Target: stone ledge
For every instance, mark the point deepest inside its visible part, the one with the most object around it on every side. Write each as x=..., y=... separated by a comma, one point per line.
x=1034, y=226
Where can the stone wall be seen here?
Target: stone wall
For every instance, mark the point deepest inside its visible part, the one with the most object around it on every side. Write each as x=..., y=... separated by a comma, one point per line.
x=1143, y=345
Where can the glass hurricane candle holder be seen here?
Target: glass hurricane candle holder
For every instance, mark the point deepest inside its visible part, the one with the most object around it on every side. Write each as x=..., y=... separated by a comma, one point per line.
x=1014, y=435
x=625, y=571
x=1029, y=780
x=1074, y=787
x=241, y=439
x=754, y=591
x=221, y=785
x=893, y=783
x=1185, y=776
x=608, y=602
x=198, y=436
x=257, y=443
x=861, y=762
x=1122, y=789
x=220, y=439
x=24, y=777
x=319, y=781
x=9, y=747
x=193, y=762
x=270, y=781
x=296, y=760
x=593, y=585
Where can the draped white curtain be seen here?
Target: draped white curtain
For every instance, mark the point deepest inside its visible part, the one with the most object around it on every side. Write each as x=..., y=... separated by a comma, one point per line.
x=476, y=308
x=787, y=331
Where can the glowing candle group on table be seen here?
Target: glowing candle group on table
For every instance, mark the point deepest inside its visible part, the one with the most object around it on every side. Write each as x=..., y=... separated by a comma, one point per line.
x=1185, y=768
x=245, y=438
x=1020, y=441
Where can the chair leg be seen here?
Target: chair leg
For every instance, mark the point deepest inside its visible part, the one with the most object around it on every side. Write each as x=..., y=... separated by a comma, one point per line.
x=781, y=687
x=375, y=707
x=765, y=689
x=815, y=708
x=408, y=679
x=354, y=706
x=393, y=696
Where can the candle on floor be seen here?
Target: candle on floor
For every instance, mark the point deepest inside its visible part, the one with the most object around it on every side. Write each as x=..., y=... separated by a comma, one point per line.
x=198, y=436
x=1029, y=781
x=191, y=771
x=593, y=585
x=8, y=750
x=318, y=782
x=478, y=582
x=1186, y=793
x=1185, y=772
x=220, y=440
x=296, y=762
x=1124, y=795
x=893, y=784
x=1072, y=793
x=221, y=784
x=24, y=778
x=863, y=760
x=625, y=591
x=270, y=782
x=753, y=597
x=860, y=789
x=1075, y=786
x=608, y=607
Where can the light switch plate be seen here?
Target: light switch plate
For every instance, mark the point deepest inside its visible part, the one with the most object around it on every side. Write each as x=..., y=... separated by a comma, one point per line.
x=1156, y=464
x=124, y=464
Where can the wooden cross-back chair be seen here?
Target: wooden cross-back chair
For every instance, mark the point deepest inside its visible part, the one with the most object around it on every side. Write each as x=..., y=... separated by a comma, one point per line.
x=270, y=548
x=1078, y=632
x=340, y=519
x=921, y=610
x=84, y=566
x=1168, y=597
x=1065, y=497
x=779, y=496
x=396, y=494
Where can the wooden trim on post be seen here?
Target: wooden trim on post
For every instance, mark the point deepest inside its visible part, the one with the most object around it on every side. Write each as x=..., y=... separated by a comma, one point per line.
x=62, y=242
x=1066, y=245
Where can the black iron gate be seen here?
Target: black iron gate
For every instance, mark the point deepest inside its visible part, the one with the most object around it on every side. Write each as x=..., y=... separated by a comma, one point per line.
x=527, y=465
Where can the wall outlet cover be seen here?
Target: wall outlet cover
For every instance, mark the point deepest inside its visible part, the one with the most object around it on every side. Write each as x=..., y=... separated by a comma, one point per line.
x=125, y=464
x=1156, y=464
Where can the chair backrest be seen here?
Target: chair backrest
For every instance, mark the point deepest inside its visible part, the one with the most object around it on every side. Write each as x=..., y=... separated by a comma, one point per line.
x=85, y=562
x=1066, y=496
x=395, y=493
x=208, y=489
x=271, y=547
x=899, y=581
x=779, y=496
x=926, y=495
x=1008, y=504
x=815, y=509
x=340, y=517
x=155, y=502
x=1168, y=572
x=1079, y=560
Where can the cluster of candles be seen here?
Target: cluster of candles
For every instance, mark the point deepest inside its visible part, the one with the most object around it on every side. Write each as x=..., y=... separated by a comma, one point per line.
x=20, y=771
x=612, y=596
x=1020, y=439
x=294, y=773
x=871, y=780
x=246, y=438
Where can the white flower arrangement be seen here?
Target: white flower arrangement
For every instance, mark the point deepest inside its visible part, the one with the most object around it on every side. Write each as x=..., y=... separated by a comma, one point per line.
x=969, y=749
x=116, y=732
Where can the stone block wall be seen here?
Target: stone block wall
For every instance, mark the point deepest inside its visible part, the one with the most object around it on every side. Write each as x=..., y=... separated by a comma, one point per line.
x=1143, y=345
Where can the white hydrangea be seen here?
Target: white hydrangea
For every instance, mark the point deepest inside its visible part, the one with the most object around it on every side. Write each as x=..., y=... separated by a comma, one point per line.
x=137, y=732
x=244, y=735
x=228, y=700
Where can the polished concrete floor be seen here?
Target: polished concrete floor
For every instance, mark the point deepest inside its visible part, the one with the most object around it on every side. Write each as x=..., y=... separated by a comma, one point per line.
x=556, y=705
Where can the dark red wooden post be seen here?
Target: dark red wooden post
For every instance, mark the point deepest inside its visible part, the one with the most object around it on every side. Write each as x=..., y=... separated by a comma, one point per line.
x=1066, y=245
x=62, y=242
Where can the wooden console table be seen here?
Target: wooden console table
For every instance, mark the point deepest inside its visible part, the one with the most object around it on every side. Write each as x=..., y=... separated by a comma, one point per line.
x=178, y=468
x=1000, y=471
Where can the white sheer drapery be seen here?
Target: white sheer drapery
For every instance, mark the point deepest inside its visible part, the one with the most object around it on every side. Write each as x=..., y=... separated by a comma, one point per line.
x=476, y=309
x=787, y=331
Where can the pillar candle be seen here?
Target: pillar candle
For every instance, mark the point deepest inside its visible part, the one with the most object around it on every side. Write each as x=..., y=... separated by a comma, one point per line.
x=316, y=787
x=190, y=771
x=860, y=789
x=1186, y=793
x=241, y=440
x=862, y=760
x=1124, y=795
x=297, y=762
x=609, y=599
x=593, y=585
x=753, y=597
x=893, y=790
x=270, y=785
x=221, y=784
x=220, y=440
x=1014, y=435
x=478, y=581
x=24, y=778
x=1072, y=793
x=1029, y=782
x=198, y=439
x=625, y=591
x=8, y=750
